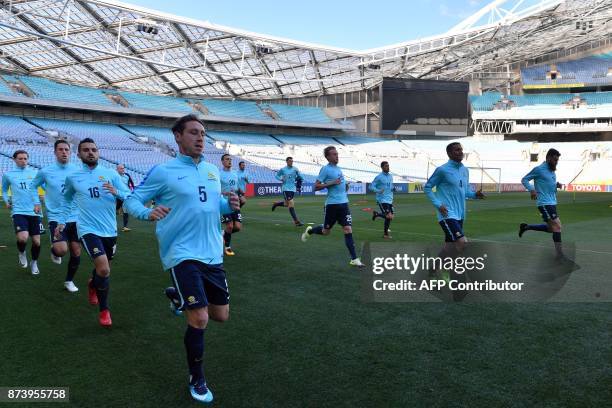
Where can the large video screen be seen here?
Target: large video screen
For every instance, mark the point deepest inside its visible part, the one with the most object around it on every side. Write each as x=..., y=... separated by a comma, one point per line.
x=417, y=107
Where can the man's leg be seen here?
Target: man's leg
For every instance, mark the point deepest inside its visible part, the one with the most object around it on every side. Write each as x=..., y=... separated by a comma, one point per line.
x=348, y=241
x=101, y=280
x=555, y=228
x=291, y=205
x=73, y=265
x=35, y=253
x=546, y=216
x=22, y=241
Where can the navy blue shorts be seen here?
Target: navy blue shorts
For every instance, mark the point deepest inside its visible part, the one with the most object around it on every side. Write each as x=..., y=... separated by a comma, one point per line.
x=453, y=229
x=288, y=195
x=549, y=212
x=68, y=234
x=97, y=246
x=30, y=223
x=199, y=284
x=386, y=208
x=234, y=216
x=337, y=213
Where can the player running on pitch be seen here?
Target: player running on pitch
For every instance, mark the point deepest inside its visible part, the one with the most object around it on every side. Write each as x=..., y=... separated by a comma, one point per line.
x=189, y=200
x=25, y=208
x=95, y=189
x=383, y=187
x=53, y=179
x=336, y=205
x=232, y=220
x=544, y=191
x=289, y=175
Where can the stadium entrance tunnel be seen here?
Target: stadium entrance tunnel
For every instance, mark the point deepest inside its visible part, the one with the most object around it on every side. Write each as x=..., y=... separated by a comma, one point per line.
x=483, y=272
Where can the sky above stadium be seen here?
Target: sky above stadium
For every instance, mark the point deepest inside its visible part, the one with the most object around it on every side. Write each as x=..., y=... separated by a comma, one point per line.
x=354, y=24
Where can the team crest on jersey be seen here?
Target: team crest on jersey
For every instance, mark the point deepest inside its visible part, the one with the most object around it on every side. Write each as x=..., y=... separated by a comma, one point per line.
x=101, y=178
x=211, y=176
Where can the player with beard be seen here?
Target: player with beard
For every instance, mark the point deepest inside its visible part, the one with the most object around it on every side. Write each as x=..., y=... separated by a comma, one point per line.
x=544, y=191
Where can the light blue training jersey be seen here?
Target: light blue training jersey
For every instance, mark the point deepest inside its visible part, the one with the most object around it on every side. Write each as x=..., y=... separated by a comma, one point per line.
x=22, y=199
x=336, y=194
x=192, y=229
x=97, y=207
x=53, y=180
x=452, y=182
x=243, y=179
x=288, y=175
x=545, y=184
x=383, y=187
x=229, y=181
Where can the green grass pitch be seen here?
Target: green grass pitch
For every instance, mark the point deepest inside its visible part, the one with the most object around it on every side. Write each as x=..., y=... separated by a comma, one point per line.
x=299, y=334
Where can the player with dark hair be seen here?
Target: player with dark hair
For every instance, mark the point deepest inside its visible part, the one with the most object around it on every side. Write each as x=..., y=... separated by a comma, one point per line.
x=53, y=179
x=25, y=208
x=95, y=190
x=383, y=187
x=336, y=205
x=243, y=180
x=544, y=191
x=289, y=175
x=129, y=184
x=229, y=185
x=189, y=204
x=452, y=182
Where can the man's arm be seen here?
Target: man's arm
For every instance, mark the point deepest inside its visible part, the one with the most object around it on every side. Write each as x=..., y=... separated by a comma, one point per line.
x=279, y=175
x=152, y=186
x=374, y=186
x=528, y=177
x=5, y=188
x=433, y=181
x=526, y=182
x=69, y=197
x=131, y=185
x=116, y=187
x=34, y=191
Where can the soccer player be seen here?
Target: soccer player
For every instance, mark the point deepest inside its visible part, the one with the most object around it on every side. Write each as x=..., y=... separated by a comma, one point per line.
x=544, y=191
x=95, y=190
x=452, y=182
x=336, y=205
x=129, y=184
x=25, y=208
x=189, y=200
x=243, y=179
x=53, y=178
x=383, y=187
x=289, y=176
x=232, y=220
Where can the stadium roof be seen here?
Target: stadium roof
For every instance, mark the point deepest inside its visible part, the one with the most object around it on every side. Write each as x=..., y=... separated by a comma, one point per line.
x=114, y=44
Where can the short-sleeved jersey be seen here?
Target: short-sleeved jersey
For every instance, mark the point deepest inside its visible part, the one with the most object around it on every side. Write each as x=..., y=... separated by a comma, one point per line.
x=336, y=194
x=288, y=175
